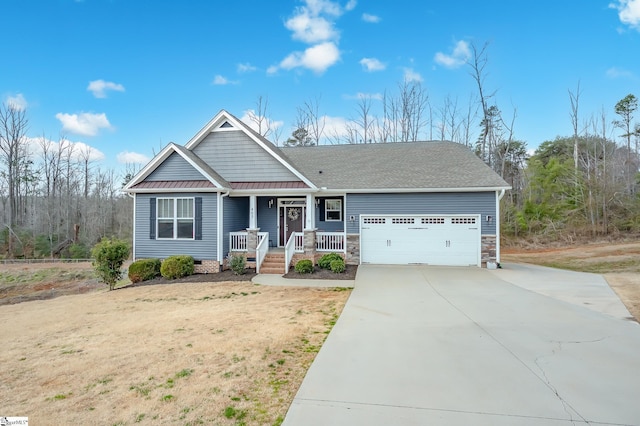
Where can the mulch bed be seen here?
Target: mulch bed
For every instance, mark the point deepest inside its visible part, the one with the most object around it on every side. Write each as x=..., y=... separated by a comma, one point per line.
x=229, y=275
x=325, y=274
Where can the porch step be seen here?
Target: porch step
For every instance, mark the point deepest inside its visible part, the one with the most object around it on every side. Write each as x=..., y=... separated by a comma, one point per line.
x=273, y=264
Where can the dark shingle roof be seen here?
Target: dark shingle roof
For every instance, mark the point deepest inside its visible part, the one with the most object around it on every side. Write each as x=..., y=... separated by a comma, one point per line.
x=398, y=165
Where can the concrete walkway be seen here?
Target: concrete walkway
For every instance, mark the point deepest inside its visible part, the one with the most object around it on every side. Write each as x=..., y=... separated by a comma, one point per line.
x=280, y=281
x=462, y=346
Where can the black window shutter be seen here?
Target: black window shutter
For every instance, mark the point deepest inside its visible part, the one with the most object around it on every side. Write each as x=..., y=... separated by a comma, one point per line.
x=152, y=218
x=322, y=200
x=198, y=218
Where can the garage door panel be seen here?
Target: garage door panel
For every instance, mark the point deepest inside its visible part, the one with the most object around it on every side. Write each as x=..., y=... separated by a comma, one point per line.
x=424, y=239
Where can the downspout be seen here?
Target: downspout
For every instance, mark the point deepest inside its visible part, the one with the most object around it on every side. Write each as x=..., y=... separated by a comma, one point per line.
x=498, y=198
x=221, y=227
x=133, y=242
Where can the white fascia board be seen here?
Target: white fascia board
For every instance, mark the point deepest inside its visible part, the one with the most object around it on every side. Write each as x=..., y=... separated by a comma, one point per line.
x=273, y=154
x=150, y=167
x=200, y=170
x=205, y=130
x=225, y=116
x=403, y=190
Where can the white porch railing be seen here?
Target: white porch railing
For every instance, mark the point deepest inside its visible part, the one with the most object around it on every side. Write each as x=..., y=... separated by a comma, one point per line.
x=294, y=245
x=238, y=240
x=262, y=249
x=330, y=241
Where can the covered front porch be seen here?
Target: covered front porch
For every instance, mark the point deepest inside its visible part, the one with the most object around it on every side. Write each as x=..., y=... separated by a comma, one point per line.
x=300, y=226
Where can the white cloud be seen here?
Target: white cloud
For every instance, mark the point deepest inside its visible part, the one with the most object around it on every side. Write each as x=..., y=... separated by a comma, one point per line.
x=219, y=80
x=316, y=58
x=373, y=19
x=372, y=64
x=412, y=76
x=126, y=157
x=335, y=126
x=100, y=87
x=247, y=67
x=457, y=58
x=314, y=24
x=79, y=150
x=17, y=102
x=614, y=72
x=628, y=12
x=85, y=123
x=311, y=29
x=249, y=118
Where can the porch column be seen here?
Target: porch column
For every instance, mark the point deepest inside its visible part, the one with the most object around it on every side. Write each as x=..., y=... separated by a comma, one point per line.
x=253, y=212
x=310, y=244
x=311, y=213
x=252, y=241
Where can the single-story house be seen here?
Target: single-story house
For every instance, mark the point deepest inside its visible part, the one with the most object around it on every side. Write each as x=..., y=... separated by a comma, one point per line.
x=230, y=191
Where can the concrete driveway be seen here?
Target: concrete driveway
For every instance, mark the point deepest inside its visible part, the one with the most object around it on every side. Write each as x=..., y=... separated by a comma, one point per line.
x=419, y=345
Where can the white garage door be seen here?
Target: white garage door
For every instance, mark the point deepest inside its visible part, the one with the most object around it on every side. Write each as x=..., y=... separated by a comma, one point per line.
x=426, y=239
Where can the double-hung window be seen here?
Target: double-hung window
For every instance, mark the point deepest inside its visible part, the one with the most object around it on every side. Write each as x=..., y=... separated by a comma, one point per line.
x=332, y=210
x=175, y=218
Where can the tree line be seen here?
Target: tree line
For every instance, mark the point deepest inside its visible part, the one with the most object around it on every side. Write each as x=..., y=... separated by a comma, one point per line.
x=56, y=201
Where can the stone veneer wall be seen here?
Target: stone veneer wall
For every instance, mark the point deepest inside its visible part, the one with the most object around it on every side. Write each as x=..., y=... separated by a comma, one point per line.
x=488, y=253
x=353, y=249
x=207, y=267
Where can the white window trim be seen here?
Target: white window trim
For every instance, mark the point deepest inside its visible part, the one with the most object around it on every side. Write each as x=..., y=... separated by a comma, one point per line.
x=327, y=210
x=175, y=218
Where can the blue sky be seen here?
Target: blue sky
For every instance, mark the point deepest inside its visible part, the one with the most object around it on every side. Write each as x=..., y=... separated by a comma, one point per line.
x=125, y=77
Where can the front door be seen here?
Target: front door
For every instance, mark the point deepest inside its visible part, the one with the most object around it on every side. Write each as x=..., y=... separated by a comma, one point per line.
x=291, y=220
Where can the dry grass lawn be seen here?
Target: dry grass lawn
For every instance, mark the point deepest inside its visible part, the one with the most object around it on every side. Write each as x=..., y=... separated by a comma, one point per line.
x=192, y=353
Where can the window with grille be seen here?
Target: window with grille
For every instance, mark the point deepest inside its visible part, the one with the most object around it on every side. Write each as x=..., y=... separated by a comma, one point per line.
x=403, y=220
x=373, y=220
x=175, y=218
x=333, y=210
x=463, y=220
x=432, y=220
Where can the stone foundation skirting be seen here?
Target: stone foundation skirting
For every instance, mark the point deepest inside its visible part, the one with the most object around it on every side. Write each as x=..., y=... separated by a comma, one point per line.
x=488, y=253
x=207, y=267
x=353, y=250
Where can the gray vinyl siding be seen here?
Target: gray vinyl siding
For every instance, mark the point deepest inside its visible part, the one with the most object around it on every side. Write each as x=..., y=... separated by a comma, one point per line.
x=237, y=158
x=268, y=218
x=330, y=226
x=175, y=168
x=483, y=203
x=204, y=249
x=236, y=218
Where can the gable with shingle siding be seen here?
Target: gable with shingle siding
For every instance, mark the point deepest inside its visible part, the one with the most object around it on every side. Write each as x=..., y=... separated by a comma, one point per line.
x=237, y=158
x=174, y=168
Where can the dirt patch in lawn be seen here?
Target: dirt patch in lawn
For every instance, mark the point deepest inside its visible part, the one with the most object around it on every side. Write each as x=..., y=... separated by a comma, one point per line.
x=618, y=262
x=182, y=353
